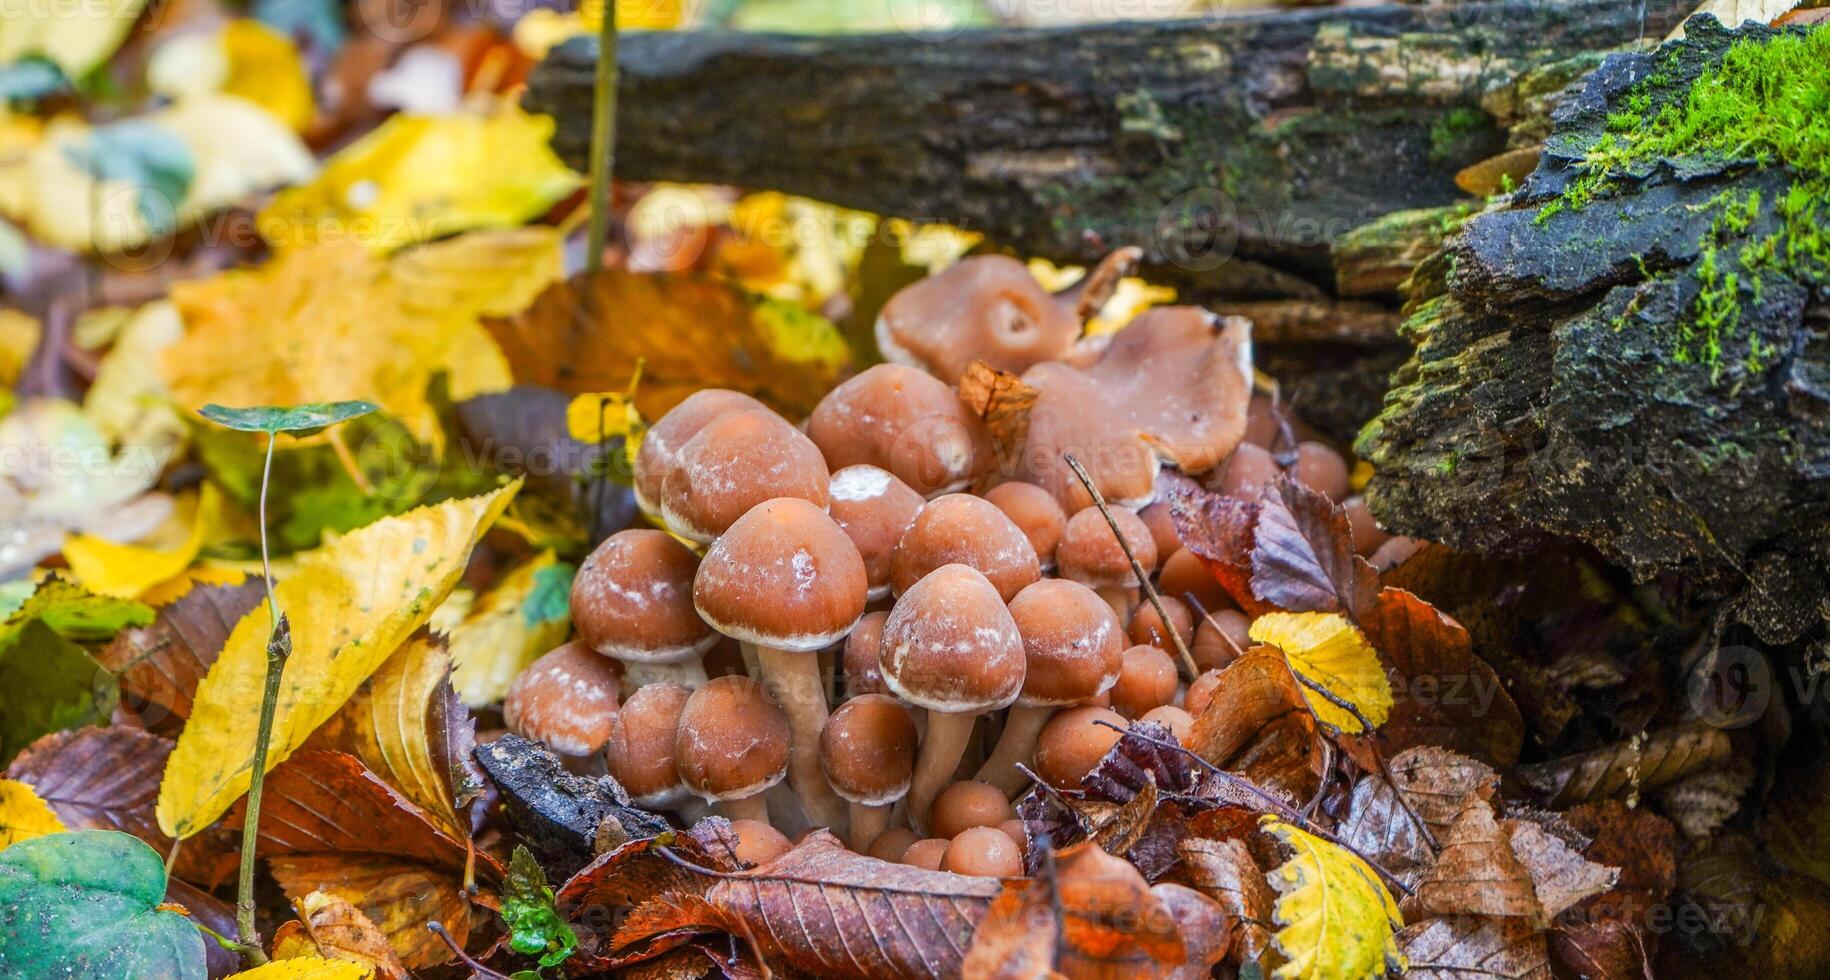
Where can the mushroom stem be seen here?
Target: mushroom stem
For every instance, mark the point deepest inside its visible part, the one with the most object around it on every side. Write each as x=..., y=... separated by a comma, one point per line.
x=1119, y=599
x=753, y=807
x=1018, y=744
x=688, y=673
x=794, y=679
x=867, y=821
x=752, y=661
x=941, y=750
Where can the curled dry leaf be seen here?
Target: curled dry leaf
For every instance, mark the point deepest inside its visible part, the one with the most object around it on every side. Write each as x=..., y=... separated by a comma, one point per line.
x=1002, y=401
x=331, y=928
x=1627, y=768
x=1445, y=695
x=1435, y=783
x=1456, y=947
x=1258, y=725
x=322, y=802
x=1224, y=871
x=395, y=898
x=1701, y=803
x=160, y=665
x=1507, y=868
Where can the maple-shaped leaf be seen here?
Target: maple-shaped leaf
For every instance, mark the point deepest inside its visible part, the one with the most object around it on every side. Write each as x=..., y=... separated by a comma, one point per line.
x=1641, y=763
x=1335, y=919
x=160, y=665
x=351, y=604
x=1434, y=783
x=1454, y=947
x=1339, y=670
x=1302, y=554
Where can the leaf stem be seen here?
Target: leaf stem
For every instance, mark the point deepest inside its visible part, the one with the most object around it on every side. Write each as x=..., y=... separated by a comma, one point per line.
x=279, y=645
x=477, y=969
x=603, y=141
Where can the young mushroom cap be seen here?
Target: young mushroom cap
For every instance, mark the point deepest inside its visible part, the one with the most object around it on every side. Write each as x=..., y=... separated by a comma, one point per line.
x=640, y=753
x=1147, y=680
x=732, y=742
x=734, y=463
x=661, y=443
x=906, y=421
x=1091, y=555
x=1177, y=720
x=959, y=528
x=862, y=675
x=1147, y=627
x=892, y=843
x=567, y=699
x=868, y=749
x=1162, y=527
x=874, y=509
x=950, y=644
x=985, y=308
x=1072, y=642
x=926, y=853
x=758, y=843
x=983, y=851
x=783, y=576
x=1221, y=638
x=1073, y=742
x=1035, y=512
x=966, y=804
x=1183, y=573
x=633, y=599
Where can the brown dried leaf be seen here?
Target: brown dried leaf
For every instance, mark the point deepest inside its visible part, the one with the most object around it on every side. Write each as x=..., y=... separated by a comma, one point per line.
x=1627, y=768
x=338, y=930
x=1508, y=868
x=1457, y=947
x=1003, y=401
x=1224, y=871
x=1610, y=935
x=1703, y=802
x=397, y=898
x=1302, y=554
x=1560, y=876
x=1219, y=529
x=320, y=802
x=1257, y=724
x=1444, y=694
x=820, y=909
x=161, y=664
x=1436, y=782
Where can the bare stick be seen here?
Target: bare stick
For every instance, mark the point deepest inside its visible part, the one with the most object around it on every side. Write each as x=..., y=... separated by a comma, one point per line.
x=279, y=647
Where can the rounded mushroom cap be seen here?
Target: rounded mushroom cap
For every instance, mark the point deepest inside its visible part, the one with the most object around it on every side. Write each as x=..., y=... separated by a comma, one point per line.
x=987, y=308
x=868, y=749
x=1367, y=536
x=1018, y=834
x=862, y=675
x=1321, y=469
x=1090, y=552
x=758, y=843
x=1177, y=720
x=567, y=699
x=1183, y=573
x=984, y=851
x=640, y=754
x=1071, y=415
x=736, y=462
x=1147, y=627
x=1147, y=680
x=661, y=443
x=732, y=742
x=1247, y=471
x=892, y=843
x=1034, y=511
x=906, y=421
x=966, y=804
x=959, y=528
x=1221, y=638
x=783, y=576
x=1072, y=642
x=951, y=646
x=1162, y=527
x=1200, y=692
x=633, y=599
x=926, y=853
x=875, y=509
x=1073, y=742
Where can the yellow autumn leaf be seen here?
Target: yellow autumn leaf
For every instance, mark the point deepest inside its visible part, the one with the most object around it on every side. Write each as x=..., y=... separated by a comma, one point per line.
x=417, y=177
x=306, y=968
x=600, y=416
x=246, y=58
x=129, y=400
x=129, y=571
x=23, y=815
x=1336, y=920
x=524, y=616
x=18, y=339
x=76, y=36
x=351, y=604
x=1327, y=651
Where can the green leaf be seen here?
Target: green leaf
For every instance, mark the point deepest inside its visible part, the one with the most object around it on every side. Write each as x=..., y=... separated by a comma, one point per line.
x=301, y=419
x=86, y=905
x=76, y=613
x=30, y=79
x=48, y=684
x=551, y=596
x=534, y=926
x=149, y=157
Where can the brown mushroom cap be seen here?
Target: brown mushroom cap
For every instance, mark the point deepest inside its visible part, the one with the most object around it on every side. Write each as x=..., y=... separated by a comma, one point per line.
x=1090, y=552
x=758, y=843
x=985, y=308
x=1018, y=834
x=567, y=699
x=966, y=804
x=1147, y=680
x=959, y=528
x=1247, y=471
x=1034, y=511
x=1147, y=626
x=1071, y=415
x=1367, y=536
x=890, y=845
x=983, y=851
x=868, y=749
x=1177, y=720
x=734, y=463
x=1072, y=642
x=661, y=443
x=875, y=509
x=640, y=753
x=783, y=576
x=1162, y=527
x=732, y=742
x=633, y=599
x=1321, y=469
x=1073, y=742
x=861, y=673
x=1184, y=572
x=926, y=853
x=1200, y=692
x=903, y=420
x=1221, y=638
x=950, y=644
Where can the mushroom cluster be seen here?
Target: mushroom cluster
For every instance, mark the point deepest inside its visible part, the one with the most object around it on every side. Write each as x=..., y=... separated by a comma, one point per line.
x=926, y=626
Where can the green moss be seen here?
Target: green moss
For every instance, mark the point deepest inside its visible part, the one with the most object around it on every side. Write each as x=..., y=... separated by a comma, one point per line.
x=1448, y=132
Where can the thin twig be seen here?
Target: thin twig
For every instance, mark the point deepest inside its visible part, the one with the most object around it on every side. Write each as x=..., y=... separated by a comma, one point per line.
x=1194, y=603
x=603, y=141
x=1189, y=668
x=1403, y=801
x=477, y=970
x=278, y=646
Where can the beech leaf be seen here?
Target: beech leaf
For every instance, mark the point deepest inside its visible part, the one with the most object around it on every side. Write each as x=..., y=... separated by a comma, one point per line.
x=1335, y=662
x=160, y=665
x=1456, y=947
x=523, y=616
x=1335, y=919
x=1302, y=554
x=1643, y=762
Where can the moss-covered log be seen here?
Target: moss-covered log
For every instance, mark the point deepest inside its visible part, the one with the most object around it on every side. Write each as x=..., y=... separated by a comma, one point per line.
x=1634, y=351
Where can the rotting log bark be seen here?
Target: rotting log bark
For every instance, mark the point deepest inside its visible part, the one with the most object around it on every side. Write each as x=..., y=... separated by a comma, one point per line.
x=565, y=818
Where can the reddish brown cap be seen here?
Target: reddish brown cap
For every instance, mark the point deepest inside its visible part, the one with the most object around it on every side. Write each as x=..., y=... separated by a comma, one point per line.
x=861, y=673
x=1247, y=471
x=633, y=599
x=1221, y=638
x=1200, y=692
x=1147, y=626
x=783, y=576
x=967, y=530
x=985, y=308
x=966, y=804
x=983, y=851
x=926, y=853
x=1034, y=511
x=1177, y=720
x=732, y=742
x=567, y=699
x=661, y=443
x=1162, y=527
x=640, y=754
x=1073, y=742
x=868, y=749
x=1071, y=639
x=1090, y=552
x=1072, y=415
x=758, y=843
x=736, y=462
x=1367, y=536
x=1184, y=572
x=875, y=509
x=1147, y=680
x=907, y=422
x=1323, y=470
x=890, y=845
x=950, y=644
